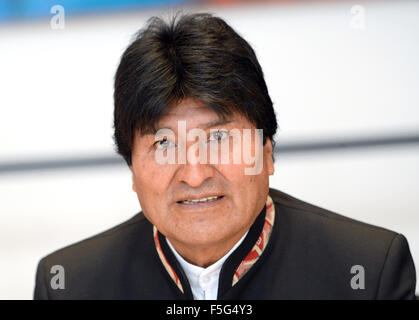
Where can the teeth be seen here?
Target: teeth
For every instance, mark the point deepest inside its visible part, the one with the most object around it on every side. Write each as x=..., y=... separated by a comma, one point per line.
x=200, y=200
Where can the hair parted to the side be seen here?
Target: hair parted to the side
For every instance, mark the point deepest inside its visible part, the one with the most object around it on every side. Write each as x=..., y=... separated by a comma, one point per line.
x=193, y=56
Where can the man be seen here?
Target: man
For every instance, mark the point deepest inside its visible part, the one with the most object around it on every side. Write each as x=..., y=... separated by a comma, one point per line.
x=210, y=226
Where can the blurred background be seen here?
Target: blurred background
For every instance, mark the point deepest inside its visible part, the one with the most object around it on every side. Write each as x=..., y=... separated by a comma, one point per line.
x=343, y=75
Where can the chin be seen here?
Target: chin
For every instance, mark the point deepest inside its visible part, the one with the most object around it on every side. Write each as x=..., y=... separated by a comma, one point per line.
x=201, y=239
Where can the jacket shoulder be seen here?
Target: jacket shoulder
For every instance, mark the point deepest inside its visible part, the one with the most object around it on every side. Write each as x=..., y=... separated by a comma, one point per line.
x=309, y=213
x=97, y=259
x=333, y=242
x=113, y=236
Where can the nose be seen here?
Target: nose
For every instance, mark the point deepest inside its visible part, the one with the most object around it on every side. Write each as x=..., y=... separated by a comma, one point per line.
x=195, y=174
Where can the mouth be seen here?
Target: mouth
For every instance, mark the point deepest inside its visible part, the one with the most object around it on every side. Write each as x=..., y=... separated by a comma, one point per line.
x=202, y=200
x=205, y=202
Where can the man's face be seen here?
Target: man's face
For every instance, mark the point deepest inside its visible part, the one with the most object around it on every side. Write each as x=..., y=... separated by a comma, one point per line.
x=161, y=188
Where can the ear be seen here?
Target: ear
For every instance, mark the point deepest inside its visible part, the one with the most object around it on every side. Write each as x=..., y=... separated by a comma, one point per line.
x=268, y=152
x=133, y=176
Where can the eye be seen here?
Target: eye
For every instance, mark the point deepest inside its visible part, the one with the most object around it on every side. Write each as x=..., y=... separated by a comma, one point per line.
x=218, y=135
x=163, y=144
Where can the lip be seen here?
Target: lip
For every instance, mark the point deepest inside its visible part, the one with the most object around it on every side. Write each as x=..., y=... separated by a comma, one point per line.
x=201, y=205
x=190, y=197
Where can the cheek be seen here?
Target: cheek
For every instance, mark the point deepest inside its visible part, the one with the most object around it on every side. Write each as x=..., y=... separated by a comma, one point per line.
x=151, y=183
x=246, y=190
x=150, y=178
x=238, y=183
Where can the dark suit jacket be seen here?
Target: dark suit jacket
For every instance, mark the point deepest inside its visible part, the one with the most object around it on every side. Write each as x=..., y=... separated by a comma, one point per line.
x=309, y=256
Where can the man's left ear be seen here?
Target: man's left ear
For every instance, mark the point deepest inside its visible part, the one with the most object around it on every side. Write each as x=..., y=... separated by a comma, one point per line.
x=268, y=154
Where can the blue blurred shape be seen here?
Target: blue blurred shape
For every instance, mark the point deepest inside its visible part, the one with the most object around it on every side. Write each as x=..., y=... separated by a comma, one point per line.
x=33, y=9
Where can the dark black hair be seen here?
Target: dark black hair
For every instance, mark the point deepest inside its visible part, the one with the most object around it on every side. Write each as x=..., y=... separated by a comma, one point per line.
x=193, y=56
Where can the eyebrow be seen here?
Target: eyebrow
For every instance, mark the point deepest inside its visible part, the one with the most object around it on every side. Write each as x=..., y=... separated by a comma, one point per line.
x=215, y=123
x=204, y=126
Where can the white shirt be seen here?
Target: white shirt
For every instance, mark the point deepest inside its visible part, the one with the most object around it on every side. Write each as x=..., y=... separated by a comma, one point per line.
x=203, y=281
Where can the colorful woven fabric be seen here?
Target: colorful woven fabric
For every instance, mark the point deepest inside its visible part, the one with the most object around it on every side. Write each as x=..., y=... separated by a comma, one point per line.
x=260, y=244
x=163, y=259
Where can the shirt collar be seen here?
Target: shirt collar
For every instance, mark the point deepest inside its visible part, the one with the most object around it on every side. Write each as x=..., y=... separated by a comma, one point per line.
x=203, y=279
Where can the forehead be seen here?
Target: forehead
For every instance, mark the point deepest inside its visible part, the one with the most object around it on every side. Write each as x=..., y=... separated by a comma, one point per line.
x=197, y=114
x=187, y=108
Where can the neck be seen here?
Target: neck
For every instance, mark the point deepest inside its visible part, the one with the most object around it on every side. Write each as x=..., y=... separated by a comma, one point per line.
x=204, y=256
